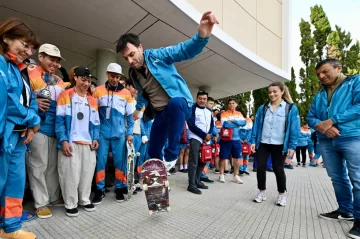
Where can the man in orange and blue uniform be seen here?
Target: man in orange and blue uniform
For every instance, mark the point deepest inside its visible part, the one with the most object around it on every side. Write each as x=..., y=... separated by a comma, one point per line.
x=42, y=164
x=115, y=106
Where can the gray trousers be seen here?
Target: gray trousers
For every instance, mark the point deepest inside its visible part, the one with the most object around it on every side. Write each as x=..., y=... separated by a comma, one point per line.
x=195, y=167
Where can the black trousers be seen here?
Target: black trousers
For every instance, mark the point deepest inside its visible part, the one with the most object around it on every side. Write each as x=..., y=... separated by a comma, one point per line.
x=278, y=160
x=301, y=149
x=195, y=167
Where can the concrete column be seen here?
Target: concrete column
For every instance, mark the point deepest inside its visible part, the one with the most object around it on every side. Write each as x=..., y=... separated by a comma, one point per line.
x=103, y=58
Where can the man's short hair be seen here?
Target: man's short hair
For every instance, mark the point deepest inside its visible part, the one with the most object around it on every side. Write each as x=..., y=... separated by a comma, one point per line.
x=231, y=99
x=201, y=92
x=125, y=39
x=211, y=99
x=331, y=61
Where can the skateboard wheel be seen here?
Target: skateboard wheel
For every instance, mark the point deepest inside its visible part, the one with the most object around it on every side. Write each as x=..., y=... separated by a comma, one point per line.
x=168, y=209
x=150, y=212
x=145, y=187
x=166, y=183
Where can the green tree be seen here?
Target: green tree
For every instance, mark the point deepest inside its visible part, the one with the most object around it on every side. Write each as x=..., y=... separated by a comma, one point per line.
x=322, y=26
x=260, y=97
x=241, y=99
x=292, y=86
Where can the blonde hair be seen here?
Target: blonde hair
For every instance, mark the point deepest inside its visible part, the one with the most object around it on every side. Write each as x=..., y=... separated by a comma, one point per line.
x=286, y=96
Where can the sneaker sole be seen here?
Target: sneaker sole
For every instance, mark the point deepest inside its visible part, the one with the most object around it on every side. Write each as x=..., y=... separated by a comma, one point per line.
x=119, y=200
x=353, y=236
x=238, y=182
x=72, y=214
x=90, y=210
x=336, y=219
x=222, y=181
x=44, y=217
x=260, y=201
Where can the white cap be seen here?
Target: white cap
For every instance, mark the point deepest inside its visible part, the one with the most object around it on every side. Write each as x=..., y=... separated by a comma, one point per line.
x=115, y=68
x=50, y=50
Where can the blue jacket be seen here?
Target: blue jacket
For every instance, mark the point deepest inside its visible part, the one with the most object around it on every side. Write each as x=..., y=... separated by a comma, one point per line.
x=344, y=108
x=64, y=117
x=291, y=134
x=304, y=137
x=17, y=114
x=237, y=121
x=160, y=63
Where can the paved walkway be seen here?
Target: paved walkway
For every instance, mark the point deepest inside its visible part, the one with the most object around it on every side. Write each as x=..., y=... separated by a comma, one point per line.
x=222, y=211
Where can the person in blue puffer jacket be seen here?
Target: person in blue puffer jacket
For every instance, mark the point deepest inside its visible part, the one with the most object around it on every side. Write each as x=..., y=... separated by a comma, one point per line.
x=19, y=122
x=335, y=114
x=161, y=88
x=302, y=144
x=276, y=131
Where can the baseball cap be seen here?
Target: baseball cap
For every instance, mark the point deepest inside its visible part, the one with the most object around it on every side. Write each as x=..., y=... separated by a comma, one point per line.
x=115, y=68
x=50, y=50
x=82, y=71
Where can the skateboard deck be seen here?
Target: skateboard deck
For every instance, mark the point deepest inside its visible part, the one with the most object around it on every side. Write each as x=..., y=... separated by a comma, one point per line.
x=130, y=169
x=155, y=185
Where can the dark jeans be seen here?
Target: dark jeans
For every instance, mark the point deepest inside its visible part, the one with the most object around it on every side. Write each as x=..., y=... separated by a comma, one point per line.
x=303, y=153
x=195, y=167
x=169, y=124
x=278, y=160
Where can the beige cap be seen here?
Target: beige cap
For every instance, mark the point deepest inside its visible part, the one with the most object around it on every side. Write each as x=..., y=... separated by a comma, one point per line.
x=115, y=68
x=51, y=50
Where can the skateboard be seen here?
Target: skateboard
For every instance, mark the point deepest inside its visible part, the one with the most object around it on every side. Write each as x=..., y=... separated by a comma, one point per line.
x=130, y=169
x=155, y=185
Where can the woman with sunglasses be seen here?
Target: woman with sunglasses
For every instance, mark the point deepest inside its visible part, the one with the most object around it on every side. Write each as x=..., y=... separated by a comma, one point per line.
x=17, y=43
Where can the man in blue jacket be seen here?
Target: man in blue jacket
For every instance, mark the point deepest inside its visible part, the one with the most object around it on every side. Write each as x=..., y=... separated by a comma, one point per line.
x=161, y=89
x=335, y=114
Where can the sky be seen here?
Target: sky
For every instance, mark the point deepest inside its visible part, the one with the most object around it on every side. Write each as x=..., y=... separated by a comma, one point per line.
x=344, y=13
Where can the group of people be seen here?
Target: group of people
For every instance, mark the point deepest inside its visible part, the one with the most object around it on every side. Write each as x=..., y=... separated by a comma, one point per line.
x=68, y=129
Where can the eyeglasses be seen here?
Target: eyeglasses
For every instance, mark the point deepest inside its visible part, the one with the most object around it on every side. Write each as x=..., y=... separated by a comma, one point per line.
x=27, y=47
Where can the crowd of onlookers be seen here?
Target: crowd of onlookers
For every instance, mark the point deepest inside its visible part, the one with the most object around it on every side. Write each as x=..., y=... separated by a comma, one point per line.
x=63, y=130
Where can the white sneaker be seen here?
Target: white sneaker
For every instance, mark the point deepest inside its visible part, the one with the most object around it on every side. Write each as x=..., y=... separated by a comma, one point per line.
x=170, y=164
x=260, y=197
x=222, y=178
x=237, y=179
x=281, y=200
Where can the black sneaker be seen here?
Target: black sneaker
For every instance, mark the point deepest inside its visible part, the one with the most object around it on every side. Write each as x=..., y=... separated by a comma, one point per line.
x=217, y=171
x=206, y=180
x=99, y=196
x=241, y=172
x=304, y=165
x=202, y=186
x=298, y=164
x=246, y=172
x=89, y=208
x=138, y=189
x=119, y=194
x=288, y=166
x=226, y=172
x=172, y=171
x=72, y=212
x=182, y=170
x=270, y=169
x=194, y=190
x=254, y=169
x=335, y=215
x=355, y=230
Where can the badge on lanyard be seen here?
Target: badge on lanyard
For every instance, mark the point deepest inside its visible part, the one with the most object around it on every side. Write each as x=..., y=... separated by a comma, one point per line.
x=108, y=109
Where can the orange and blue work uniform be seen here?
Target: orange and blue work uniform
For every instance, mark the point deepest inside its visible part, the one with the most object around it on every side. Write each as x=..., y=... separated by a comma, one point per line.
x=115, y=106
x=233, y=146
x=245, y=135
x=42, y=164
x=20, y=113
